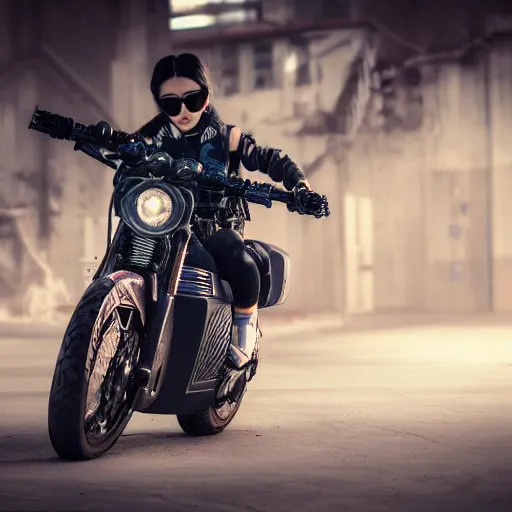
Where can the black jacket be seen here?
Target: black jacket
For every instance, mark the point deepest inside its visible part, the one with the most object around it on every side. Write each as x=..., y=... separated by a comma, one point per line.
x=208, y=143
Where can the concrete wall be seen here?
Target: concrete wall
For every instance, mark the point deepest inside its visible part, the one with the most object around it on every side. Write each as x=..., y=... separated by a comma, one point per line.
x=500, y=136
x=88, y=61
x=41, y=70
x=457, y=194
x=419, y=203
x=423, y=221
x=385, y=251
x=439, y=191
x=117, y=85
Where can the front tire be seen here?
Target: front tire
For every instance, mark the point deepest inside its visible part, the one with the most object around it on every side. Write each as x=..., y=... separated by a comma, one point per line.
x=70, y=432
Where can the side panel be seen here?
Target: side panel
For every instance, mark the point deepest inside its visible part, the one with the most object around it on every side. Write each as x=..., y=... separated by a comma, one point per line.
x=129, y=291
x=280, y=271
x=198, y=350
x=213, y=350
x=275, y=286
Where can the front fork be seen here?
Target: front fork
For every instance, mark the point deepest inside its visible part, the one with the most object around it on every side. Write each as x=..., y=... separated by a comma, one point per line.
x=154, y=295
x=155, y=351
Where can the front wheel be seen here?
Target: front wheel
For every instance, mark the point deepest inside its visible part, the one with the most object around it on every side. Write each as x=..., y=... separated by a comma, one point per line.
x=93, y=387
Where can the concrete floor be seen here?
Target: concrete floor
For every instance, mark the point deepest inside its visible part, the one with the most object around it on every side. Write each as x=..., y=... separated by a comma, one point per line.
x=413, y=419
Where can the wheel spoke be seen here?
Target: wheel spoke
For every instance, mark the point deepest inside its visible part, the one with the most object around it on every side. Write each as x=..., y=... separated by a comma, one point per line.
x=111, y=400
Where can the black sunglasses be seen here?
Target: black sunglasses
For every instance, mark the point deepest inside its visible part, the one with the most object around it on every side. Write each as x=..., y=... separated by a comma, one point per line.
x=194, y=101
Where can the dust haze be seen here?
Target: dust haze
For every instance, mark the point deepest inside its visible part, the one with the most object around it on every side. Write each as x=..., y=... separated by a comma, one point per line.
x=385, y=376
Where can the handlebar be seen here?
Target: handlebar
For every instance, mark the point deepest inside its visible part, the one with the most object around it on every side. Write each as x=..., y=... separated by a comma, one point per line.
x=300, y=200
x=65, y=128
x=131, y=149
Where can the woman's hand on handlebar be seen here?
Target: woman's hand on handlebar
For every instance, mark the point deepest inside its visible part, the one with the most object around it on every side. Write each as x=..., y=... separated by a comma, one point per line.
x=304, y=184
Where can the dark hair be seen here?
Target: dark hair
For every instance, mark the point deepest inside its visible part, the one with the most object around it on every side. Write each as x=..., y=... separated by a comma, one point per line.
x=186, y=65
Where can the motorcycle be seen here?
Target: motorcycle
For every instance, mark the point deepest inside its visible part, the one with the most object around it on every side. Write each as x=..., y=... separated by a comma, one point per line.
x=150, y=333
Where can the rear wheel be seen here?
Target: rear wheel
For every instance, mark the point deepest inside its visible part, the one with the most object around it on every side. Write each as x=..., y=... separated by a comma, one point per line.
x=93, y=388
x=221, y=413
x=212, y=420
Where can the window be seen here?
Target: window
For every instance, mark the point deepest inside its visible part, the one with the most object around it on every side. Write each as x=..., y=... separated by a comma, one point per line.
x=180, y=6
x=263, y=56
x=229, y=70
x=195, y=21
x=189, y=14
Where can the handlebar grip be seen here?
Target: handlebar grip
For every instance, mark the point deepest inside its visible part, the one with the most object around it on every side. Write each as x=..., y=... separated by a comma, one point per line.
x=56, y=126
x=65, y=128
x=309, y=203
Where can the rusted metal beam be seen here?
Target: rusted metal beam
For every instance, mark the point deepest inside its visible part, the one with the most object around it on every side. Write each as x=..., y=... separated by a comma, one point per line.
x=199, y=37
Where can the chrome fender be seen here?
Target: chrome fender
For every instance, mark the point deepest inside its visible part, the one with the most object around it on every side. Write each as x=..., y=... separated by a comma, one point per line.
x=128, y=291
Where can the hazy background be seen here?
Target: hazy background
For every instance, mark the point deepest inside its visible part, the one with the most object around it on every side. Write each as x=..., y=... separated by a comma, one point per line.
x=400, y=111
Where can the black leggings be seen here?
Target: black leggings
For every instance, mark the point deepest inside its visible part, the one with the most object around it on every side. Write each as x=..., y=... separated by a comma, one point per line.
x=226, y=254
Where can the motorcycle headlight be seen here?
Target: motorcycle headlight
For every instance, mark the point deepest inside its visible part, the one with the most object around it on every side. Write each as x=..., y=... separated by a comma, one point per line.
x=154, y=207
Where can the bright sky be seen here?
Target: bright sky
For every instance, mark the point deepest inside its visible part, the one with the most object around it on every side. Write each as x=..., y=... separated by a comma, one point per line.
x=180, y=5
x=201, y=20
x=197, y=21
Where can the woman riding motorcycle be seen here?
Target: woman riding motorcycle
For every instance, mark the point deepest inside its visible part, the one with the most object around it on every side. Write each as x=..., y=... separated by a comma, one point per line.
x=189, y=127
